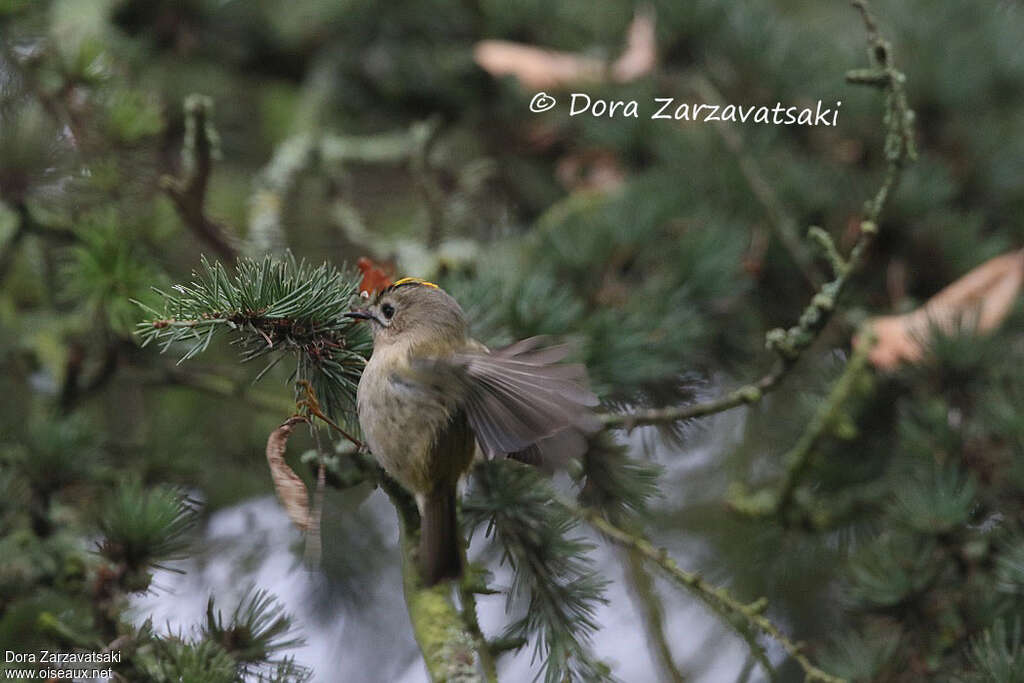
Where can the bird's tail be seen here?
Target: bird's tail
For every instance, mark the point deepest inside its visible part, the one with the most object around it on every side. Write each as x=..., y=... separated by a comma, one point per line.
x=440, y=552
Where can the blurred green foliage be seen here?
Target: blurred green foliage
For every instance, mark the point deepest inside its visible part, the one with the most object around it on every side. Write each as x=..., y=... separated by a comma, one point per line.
x=349, y=129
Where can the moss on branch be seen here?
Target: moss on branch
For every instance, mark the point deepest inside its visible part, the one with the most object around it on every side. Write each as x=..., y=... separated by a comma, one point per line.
x=449, y=649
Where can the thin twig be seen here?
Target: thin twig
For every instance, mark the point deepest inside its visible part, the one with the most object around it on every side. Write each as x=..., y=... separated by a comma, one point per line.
x=750, y=393
x=652, y=613
x=798, y=459
x=488, y=662
x=189, y=193
x=304, y=151
x=424, y=134
x=789, y=345
x=752, y=613
x=311, y=404
x=28, y=225
x=899, y=150
x=869, y=19
x=221, y=386
x=748, y=668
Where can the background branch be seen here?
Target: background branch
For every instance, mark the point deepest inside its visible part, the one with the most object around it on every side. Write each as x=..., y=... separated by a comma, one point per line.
x=302, y=152
x=652, y=613
x=220, y=386
x=798, y=459
x=189, y=192
x=752, y=613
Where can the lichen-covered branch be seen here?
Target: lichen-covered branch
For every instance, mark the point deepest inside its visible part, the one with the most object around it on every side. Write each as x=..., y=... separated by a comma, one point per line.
x=750, y=393
x=798, y=459
x=488, y=658
x=898, y=119
x=301, y=152
x=448, y=648
x=718, y=598
x=424, y=604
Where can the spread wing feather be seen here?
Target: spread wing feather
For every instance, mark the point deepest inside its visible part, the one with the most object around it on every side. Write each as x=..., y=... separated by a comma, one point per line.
x=519, y=400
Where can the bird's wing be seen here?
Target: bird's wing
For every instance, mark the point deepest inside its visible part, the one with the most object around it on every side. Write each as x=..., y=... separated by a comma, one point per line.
x=519, y=400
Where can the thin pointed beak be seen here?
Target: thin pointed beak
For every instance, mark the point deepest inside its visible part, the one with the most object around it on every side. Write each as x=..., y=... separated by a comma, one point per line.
x=359, y=314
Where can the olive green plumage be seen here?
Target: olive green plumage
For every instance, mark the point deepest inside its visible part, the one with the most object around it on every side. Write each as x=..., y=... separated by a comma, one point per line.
x=430, y=393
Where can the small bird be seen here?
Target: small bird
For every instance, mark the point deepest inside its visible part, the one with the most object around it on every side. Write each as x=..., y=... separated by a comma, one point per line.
x=430, y=393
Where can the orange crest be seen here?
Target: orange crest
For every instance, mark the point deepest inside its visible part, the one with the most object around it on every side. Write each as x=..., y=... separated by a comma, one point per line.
x=375, y=276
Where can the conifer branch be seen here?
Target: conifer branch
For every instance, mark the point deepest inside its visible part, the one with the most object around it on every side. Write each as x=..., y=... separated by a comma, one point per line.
x=620, y=487
x=714, y=596
x=552, y=567
x=451, y=643
x=189, y=192
x=788, y=346
x=257, y=630
x=750, y=393
x=271, y=308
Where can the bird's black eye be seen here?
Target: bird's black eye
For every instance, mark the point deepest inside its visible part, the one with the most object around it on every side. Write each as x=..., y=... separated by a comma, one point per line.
x=388, y=310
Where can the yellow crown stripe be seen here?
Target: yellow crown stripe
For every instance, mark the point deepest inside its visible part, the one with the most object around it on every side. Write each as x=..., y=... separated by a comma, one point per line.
x=414, y=281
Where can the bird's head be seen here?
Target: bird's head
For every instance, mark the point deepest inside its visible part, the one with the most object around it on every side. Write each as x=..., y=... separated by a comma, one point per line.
x=414, y=312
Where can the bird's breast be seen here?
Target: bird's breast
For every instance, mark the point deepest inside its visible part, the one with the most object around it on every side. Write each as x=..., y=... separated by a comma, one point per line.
x=402, y=423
